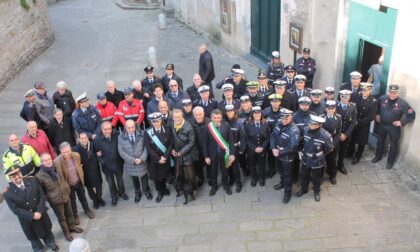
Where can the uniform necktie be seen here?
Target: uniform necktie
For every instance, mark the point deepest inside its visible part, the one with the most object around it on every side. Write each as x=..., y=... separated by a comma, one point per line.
x=133, y=140
x=262, y=90
x=257, y=125
x=300, y=94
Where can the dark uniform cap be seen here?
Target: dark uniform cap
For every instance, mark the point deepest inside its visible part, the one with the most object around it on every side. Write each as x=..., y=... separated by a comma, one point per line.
x=261, y=75
x=273, y=97
x=316, y=120
x=83, y=97
x=305, y=99
x=289, y=68
x=12, y=170
x=29, y=93
x=316, y=92
x=186, y=102
x=285, y=112
x=279, y=83
x=244, y=98
x=251, y=84
x=39, y=85
x=169, y=67
x=203, y=88
x=256, y=109
x=148, y=69
x=101, y=96
x=300, y=77
x=128, y=90
x=330, y=103
x=229, y=107
x=306, y=50
x=393, y=88
x=329, y=90
x=155, y=116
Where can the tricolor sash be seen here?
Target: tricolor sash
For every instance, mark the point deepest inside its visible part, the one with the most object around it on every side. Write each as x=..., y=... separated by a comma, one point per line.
x=220, y=141
x=158, y=143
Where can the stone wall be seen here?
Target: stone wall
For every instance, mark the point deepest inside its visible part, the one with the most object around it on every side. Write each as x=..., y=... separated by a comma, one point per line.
x=24, y=35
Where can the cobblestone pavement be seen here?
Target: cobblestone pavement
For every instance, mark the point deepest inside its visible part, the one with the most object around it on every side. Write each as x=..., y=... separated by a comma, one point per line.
x=371, y=209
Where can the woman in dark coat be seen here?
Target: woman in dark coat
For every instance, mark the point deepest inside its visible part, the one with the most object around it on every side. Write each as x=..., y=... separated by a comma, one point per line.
x=63, y=99
x=91, y=169
x=158, y=139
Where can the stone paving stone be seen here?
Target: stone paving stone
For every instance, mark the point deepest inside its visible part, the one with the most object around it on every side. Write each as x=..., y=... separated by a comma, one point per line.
x=275, y=235
x=266, y=246
x=275, y=214
x=256, y=225
x=223, y=247
x=345, y=242
x=194, y=248
x=176, y=229
x=223, y=227
x=303, y=244
x=292, y=223
x=162, y=249
x=237, y=216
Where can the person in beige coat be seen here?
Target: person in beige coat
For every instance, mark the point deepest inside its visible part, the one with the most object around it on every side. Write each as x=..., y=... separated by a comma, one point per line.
x=57, y=192
x=68, y=163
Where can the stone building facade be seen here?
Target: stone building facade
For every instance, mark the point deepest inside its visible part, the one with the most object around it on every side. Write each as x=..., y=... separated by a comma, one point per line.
x=24, y=35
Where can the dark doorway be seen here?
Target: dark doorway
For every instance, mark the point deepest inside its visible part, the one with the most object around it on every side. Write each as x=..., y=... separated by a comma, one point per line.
x=265, y=28
x=369, y=55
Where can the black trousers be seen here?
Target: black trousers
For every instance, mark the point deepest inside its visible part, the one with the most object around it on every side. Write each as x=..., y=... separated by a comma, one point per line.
x=243, y=163
x=65, y=216
x=200, y=165
x=49, y=240
x=394, y=134
x=78, y=189
x=94, y=192
x=342, y=150
x=351, y=148
x=234, y=173
x=285, y=169
x=217, y=164
x=144, y=183
x=160, y=185
x=256, y=163
x=271, y=163
x=331, y=160
x=296, y=168
x=314, y=174
x=116, y=184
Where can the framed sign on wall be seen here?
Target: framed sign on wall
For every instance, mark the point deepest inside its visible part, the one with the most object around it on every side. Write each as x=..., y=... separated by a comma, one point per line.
x=225, y=15
x=295, y=37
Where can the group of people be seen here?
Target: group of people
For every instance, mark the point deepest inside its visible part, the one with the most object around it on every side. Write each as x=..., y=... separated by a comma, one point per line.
x=157, y=130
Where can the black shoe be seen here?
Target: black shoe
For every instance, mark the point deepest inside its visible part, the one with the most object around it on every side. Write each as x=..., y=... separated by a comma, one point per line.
x=101, y=202
x=166, y=192
x=355, y=160
x=209, y=182
x=227, y=190
x=271, y=173
x=333, y=180
x=114, y=201
x=89, y=214
x=213, y=191
x=262, y=182
x=342, y=169
x=300, y=193
x=286, y=199
x=231, y=182
x=159, y=197
x=376, y=159
x=200, y=183
x=137, y=198
x=54, y=247
x=389, y=165
x=96, y=204
x=317, y=197
x=238, y=188
x=246, y=172
x=253, y=182
x=124, y=196
x=278, y=186
x=149, y=195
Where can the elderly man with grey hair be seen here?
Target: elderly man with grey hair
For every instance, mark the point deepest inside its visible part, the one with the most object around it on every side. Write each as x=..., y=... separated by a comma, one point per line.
x=199, y=124
x=44, y=103
x=63, y=99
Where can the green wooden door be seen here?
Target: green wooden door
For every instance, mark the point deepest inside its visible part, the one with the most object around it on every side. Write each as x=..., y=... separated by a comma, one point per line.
x=374, y=26
x=265, y=28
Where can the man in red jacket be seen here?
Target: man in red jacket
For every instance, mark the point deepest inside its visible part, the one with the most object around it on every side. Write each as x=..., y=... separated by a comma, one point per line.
x=37, y=139
x=130, y=108
x=106, y=109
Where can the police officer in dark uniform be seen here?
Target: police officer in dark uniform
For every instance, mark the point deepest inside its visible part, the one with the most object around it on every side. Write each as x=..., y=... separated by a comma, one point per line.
x=256, y=98
x=272, y=114
x=348, y=112
x=275, y=69
x=300, y=90
x=289, y=78
x=393, y=113
x=257, y=136
x=284, y=142
x=245, y=111
x=26, y=200
x=206, y=102
x=150, y=80
x=367, y=105
x=317, y=144
x=301, y=118
x=228, y=99
x=288, y=99
x=29, y=111
x=228, y=78
x=307, y=66
x=239, y=83
x=316, y=106
x=86, y=118
x=354, y=86
x=329, y=95
x=170, y=75
x=333, y=126
x=264, y=89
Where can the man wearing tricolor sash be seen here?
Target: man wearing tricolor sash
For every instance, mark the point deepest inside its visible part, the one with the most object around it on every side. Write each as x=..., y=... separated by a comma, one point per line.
x=218, y=150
